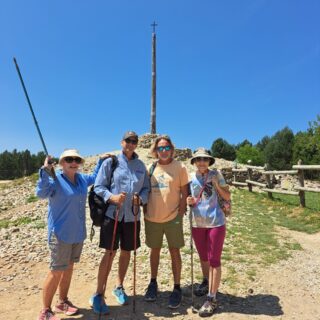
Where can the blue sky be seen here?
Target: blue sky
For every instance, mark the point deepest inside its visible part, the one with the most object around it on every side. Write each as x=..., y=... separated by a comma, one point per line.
x=232, y=69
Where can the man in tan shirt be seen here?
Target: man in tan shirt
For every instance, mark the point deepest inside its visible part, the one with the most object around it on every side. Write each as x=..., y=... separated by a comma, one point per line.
x=165, y=210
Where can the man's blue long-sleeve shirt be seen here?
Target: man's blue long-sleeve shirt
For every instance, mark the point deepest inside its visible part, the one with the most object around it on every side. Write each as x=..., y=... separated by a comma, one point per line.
x=130, y=176
x=67, y=203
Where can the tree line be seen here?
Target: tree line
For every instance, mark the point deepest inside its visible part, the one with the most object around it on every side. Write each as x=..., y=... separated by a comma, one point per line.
x=17, y=164
x=280, y=151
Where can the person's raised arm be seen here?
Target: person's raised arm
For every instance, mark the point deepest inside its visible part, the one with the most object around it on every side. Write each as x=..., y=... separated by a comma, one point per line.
x=90, y=178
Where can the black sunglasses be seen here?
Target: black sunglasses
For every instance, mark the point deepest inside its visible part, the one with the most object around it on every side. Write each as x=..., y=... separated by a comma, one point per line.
x=165, y=148
x=71, y=159
x=132, y=141
x=202, y=159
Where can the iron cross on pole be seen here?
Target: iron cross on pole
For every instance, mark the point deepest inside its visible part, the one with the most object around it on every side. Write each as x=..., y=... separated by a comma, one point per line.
x=154, y=25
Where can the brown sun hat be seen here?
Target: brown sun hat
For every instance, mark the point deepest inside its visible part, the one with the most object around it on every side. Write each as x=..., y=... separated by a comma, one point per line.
x=202, y=153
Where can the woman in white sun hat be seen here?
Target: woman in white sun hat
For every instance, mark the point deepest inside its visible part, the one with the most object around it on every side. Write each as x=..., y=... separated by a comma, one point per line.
x=66, y=191
x=208, y=229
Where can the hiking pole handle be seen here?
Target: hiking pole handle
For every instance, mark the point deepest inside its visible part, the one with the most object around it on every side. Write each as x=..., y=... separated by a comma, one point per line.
x=134, y=204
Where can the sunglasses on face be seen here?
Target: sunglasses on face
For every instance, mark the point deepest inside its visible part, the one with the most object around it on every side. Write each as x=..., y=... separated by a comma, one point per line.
x=71, y=159
x=132, y=141
x=166, y=148
x=202, y=159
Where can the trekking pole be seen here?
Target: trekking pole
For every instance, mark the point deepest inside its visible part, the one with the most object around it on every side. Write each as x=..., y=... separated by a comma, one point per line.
x=30, y=106
x=191, y=256
x=52, y=173
x=116, y=218
x=135, y=211
x=193, y=308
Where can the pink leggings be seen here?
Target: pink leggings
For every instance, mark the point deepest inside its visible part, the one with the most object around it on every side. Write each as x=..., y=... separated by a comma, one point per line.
x=209, y=243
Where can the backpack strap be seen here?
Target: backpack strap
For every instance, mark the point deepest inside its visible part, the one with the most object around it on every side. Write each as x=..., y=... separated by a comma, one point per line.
x=152, y=168
x=114, y=165
x=202, y=189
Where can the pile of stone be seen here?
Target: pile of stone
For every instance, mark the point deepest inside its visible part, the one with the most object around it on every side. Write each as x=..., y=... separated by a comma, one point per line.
x=146, y=140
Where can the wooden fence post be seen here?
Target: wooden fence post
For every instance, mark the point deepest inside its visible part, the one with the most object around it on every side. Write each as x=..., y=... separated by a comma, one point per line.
x=234, y=176
x=250, y=178
x=268, y=179
x=234, y=166
x=301, y=182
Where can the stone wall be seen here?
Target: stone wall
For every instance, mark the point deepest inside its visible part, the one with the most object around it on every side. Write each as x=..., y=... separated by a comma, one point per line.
x=183, y=154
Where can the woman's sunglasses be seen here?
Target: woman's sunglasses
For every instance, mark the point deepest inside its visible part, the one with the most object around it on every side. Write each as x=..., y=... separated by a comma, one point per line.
x=166, y=148
x=132, y=141
x=202, y=159
x=71, y=159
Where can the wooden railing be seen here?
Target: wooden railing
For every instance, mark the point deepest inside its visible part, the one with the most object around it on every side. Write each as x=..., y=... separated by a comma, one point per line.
x=268, y=187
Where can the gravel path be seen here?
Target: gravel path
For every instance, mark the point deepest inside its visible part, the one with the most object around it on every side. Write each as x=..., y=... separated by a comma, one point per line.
x=287, y=290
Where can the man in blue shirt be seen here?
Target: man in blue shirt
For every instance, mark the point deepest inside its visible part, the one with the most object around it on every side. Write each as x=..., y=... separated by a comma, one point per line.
x=129, y=178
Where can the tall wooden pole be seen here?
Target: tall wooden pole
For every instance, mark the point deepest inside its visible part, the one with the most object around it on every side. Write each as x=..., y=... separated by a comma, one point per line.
x=154, y=86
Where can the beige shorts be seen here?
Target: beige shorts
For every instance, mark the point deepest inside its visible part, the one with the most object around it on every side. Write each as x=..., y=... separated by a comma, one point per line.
x=62, y=254
x=173, y=230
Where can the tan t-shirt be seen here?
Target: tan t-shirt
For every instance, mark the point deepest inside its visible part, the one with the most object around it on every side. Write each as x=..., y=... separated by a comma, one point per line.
x=165, y=195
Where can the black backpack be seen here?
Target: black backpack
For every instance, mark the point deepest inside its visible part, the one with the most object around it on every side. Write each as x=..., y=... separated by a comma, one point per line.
x=97, y=205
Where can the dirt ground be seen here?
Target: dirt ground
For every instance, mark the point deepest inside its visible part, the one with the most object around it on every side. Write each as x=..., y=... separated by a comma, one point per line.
x=288, y=290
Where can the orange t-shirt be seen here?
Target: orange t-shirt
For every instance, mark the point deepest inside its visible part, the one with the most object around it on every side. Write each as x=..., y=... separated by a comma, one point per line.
x=165, y=195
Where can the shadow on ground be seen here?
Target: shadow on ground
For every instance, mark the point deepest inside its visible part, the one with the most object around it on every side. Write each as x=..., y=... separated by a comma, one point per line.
x=144, y=310
x=260, y=304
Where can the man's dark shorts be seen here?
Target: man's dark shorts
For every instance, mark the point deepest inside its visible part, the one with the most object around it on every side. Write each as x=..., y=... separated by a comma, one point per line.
x=124, y=233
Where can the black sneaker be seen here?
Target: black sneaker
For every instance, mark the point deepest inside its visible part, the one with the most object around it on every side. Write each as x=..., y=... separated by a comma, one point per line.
x=151, y=294
x=175, y=299
x=208, y=308
x=202, y=288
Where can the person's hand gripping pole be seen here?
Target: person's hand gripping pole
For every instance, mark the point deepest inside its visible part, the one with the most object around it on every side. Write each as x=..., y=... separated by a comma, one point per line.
x=48, y=166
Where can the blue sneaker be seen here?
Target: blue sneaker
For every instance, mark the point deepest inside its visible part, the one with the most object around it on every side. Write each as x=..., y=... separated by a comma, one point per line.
x=98, y=304
x=120, y=295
